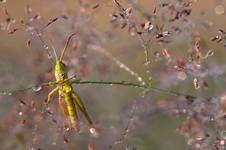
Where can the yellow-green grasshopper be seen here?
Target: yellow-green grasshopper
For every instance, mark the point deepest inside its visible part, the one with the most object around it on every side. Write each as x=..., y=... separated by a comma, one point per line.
x=66, y=91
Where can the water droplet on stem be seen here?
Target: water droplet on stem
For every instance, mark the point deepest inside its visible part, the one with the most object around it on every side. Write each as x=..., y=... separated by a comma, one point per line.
x=36, y=88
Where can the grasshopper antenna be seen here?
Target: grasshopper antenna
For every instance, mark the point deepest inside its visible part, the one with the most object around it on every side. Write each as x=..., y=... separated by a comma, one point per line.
x=66, y=45
x=54, y=50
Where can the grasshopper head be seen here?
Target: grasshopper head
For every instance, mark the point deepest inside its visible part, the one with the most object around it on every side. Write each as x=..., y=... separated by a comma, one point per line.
x=60, y=71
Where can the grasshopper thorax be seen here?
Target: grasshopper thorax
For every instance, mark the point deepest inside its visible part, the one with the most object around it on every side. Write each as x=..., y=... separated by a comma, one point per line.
x=60, y=71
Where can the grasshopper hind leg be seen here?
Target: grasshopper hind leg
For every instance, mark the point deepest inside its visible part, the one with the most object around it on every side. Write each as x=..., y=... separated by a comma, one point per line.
x=81, y=106
x=72, y=111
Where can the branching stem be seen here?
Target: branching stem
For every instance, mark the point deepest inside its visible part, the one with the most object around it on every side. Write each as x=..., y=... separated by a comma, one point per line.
x=101, y=82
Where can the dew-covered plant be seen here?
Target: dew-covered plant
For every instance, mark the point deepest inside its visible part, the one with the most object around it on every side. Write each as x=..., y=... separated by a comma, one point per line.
x=144, y=69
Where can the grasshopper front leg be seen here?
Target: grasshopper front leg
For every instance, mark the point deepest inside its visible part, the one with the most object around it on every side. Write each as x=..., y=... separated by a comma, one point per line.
x=57, y=88
x=81, y=106
x=51, y=94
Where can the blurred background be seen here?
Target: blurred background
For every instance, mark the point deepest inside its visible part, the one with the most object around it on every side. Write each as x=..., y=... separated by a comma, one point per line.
x=125, y=117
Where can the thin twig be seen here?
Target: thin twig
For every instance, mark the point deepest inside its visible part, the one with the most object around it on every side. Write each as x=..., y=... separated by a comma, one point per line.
x=124, y=134
x=138, y=85
x=117, y=62
x=132, y=23
x=100, y=82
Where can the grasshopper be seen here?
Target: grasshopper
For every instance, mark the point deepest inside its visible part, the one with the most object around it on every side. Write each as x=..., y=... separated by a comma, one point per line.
x=66, y=92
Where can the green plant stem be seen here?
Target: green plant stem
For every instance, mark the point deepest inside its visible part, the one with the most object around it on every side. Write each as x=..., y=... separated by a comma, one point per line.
x=138, y=85
x=120, y=83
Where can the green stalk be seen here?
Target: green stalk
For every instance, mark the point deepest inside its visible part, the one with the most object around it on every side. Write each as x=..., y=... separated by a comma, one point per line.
x=38, y=87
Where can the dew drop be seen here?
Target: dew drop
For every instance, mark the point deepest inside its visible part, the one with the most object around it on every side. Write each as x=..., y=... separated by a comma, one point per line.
x=5, y=93
x=46, y=47
x=146, y=63
x=211, y=118
x=32, y=33
x=39, y=34
x=140, y=79
x=20, y=113
x=121, y=66
x=143, y=83
x=94, y=132
x=184, y=111
x=219, y=9
x=210, y=53
x=199, y=138
x=50, y=56
x=150, y=28
x=36, y=88
x=222, y=142
x=38, y=17
x=196, y=83
x=30, y=29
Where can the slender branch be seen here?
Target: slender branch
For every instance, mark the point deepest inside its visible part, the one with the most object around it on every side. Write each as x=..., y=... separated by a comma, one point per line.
x=137, y=85
x=117, y=62
x=122, y=83
x=35, y=88
x=38, y=87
